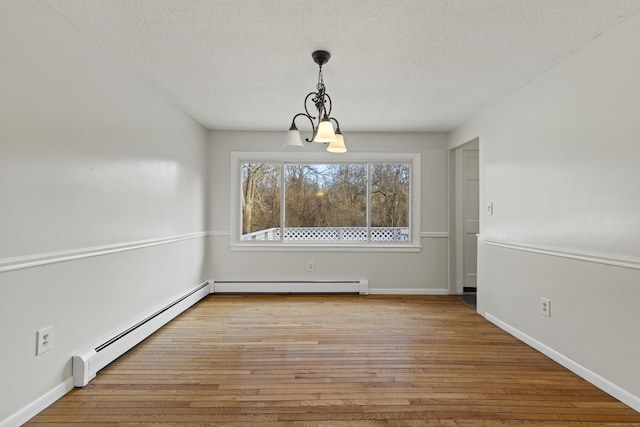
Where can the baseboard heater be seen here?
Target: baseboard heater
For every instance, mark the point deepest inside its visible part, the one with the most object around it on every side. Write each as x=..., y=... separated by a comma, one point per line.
x=87, y=363
x=290, y=286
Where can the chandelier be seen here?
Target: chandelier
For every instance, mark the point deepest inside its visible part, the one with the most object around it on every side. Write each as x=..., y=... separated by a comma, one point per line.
x=323, y=130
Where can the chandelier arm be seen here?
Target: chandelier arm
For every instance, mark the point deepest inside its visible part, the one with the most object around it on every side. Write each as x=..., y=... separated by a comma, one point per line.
x=313, y=126
x=337, y=123
x=328, y=112
x=306, y=99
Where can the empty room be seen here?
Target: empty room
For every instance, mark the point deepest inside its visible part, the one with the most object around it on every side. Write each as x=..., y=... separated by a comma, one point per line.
x=291, y=213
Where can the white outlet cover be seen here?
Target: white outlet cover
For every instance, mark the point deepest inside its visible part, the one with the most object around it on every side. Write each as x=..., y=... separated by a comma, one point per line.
x=44, y=340
x=545, y=307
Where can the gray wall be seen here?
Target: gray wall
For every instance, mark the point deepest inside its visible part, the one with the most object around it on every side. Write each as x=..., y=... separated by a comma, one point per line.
x=92, y=160
x=387, y=271
x=559, y=161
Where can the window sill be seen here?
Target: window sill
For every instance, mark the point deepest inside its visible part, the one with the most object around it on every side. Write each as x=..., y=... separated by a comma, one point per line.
x=310, y=247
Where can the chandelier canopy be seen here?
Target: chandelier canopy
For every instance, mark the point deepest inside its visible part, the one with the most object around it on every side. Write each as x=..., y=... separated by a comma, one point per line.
x=323, y=129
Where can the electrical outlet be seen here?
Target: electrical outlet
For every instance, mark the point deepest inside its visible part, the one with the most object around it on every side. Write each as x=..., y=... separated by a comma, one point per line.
x=310, y=266
x=44, y=340
x=545, y=307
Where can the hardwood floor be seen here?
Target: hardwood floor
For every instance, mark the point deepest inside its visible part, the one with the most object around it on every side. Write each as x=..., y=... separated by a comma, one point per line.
x=293, y=361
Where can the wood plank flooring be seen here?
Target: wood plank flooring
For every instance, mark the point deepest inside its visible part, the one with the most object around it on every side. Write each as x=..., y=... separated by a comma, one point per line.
x=338, y=361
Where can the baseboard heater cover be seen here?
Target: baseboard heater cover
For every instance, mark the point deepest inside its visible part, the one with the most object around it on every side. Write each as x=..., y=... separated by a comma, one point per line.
x=360, y=286
x=87, y=363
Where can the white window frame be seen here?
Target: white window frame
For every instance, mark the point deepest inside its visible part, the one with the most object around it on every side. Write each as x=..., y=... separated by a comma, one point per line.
x=237, y=157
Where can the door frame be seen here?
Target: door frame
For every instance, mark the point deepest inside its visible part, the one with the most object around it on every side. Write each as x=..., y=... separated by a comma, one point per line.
x=456, y=206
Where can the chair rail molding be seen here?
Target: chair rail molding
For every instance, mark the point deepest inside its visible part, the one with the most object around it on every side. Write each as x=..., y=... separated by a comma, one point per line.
x=35, y=260
x=577, y=254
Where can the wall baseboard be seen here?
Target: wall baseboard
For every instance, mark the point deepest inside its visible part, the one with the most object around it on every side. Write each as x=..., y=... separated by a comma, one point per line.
x=407, y=291
x=360, y=286
x=35, y=407
x=603, y=384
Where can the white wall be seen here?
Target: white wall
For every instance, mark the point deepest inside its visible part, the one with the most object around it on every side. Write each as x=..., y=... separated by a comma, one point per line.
x=559, y=161
x=91, y=159
x=387, y=271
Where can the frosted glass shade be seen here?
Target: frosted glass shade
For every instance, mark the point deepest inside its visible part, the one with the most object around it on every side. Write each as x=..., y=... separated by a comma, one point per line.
x=325, y=131
x=337, y=146
x=293, y=139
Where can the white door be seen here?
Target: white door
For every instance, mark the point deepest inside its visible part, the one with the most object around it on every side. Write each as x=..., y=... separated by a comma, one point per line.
x=470, y=216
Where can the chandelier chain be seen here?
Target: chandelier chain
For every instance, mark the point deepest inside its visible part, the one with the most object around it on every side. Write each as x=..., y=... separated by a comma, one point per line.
x=320, y=84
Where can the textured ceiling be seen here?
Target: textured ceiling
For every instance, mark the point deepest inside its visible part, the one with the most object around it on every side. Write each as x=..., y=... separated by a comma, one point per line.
x=403, y=65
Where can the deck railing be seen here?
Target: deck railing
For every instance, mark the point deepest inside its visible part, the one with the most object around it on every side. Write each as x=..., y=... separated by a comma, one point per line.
x=332, y=234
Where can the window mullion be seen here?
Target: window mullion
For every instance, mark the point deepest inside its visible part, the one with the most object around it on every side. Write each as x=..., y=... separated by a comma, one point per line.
x=410, y=202
x=283, y=195
x=368, y=203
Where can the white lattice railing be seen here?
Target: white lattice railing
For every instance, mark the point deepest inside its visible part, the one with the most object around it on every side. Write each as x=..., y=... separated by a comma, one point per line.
x=332, y=234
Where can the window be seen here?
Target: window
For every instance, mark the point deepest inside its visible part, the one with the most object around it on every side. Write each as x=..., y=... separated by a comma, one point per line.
x=364, y=200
